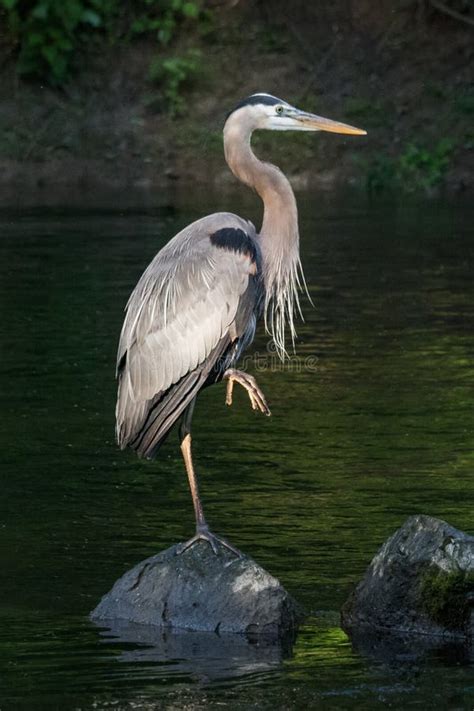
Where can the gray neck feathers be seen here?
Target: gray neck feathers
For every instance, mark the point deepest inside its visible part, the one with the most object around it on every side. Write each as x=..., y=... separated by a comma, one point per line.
x=279, y=236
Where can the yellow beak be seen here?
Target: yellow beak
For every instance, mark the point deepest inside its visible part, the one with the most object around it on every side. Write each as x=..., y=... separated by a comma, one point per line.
x=311, y=122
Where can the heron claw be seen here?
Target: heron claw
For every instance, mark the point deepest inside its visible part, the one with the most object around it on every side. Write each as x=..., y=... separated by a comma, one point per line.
x=256, y=396
x=203, y=534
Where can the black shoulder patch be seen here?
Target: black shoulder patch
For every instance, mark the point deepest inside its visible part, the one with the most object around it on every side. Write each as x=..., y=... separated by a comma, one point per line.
x=256, y=99
x=235, y=240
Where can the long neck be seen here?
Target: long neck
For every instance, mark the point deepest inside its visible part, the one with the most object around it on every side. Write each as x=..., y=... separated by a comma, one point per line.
x=279, y=236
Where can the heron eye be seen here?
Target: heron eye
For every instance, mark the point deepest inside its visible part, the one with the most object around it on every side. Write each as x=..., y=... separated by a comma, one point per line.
x=279, y=109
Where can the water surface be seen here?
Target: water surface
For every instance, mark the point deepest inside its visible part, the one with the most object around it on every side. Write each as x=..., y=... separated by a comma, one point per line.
x=372, y=421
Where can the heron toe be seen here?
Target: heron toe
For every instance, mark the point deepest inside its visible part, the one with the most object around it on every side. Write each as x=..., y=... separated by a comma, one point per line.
x=256, y=396
x=214, y=541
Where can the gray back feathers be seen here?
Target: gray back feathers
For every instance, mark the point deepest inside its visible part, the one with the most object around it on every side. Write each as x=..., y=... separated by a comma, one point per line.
x=183, y=305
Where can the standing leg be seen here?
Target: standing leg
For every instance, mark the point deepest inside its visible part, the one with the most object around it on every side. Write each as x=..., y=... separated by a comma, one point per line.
x=202, y=529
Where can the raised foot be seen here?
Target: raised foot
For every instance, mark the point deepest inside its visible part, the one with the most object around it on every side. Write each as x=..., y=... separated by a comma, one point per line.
x=204, y=534
x=256, y=396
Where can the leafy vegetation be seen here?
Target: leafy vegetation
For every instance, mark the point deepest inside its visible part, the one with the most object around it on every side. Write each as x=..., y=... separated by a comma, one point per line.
x=464, y=103
x=114, y=63
x=172, y=73
x=162, y=18
x=50, y=36
x=48, y=33
x=420, y=167
x=417, y=168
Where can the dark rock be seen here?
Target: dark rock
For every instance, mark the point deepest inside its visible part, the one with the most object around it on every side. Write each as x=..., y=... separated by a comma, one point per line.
x=199, y=590
x=420, y=582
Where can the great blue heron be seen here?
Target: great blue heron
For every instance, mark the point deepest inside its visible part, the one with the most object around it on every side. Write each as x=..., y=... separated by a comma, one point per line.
x=195, y=308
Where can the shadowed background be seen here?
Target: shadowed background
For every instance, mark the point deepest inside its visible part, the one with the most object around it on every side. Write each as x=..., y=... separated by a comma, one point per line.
x=108, y=93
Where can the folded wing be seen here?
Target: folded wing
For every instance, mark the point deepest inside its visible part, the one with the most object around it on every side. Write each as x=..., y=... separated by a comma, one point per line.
x=197, y=297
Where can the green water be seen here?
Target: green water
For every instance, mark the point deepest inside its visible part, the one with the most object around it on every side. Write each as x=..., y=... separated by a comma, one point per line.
x=372, y=422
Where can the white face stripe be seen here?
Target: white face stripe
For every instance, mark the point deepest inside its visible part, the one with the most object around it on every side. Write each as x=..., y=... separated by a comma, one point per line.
x=266, y=116
x=272, y=110
x=259, y=99
x=268, y=112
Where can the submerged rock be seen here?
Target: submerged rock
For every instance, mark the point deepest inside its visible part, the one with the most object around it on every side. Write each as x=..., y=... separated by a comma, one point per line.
x=420, y=582
x=199, y=590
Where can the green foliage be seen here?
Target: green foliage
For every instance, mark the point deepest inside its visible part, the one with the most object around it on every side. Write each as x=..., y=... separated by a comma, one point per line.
x=464, y=103
x=172, y=74
x=381, y=174
x=272, y=39
x=423, y=168
x=48, y=32
x=51, y=34
x=416, y=169
x=162, y=18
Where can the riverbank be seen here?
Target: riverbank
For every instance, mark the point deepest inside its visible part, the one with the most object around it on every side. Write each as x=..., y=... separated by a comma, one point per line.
x=405, y=76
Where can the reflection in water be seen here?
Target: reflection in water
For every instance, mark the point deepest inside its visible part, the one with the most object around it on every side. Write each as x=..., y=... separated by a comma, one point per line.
x=204, y=655
x=378, y=428
x=398, y=649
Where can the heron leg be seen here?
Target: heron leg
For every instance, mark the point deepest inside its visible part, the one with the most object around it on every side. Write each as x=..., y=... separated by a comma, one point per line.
x=202, y=529
x=256, y=396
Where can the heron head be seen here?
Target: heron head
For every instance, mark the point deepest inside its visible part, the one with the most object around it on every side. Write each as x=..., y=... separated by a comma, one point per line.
x=263, y=111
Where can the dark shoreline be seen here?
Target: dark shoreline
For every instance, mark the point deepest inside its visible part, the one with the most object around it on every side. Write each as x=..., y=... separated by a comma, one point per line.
x=403, y=76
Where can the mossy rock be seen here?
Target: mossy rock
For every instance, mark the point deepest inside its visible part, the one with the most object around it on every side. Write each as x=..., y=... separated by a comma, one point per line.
x=420, y=582
x=445, y=597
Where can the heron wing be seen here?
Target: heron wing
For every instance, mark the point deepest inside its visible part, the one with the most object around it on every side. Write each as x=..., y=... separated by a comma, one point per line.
x=183, y=307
